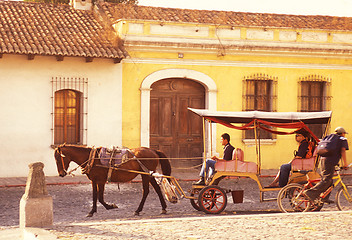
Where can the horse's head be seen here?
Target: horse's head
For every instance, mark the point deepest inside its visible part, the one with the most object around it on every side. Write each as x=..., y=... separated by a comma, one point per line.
x=62, y=161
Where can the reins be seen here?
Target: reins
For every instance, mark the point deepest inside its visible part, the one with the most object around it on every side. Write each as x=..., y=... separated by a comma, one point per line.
x=144, y=168
x=70, y=172
x=143, y=159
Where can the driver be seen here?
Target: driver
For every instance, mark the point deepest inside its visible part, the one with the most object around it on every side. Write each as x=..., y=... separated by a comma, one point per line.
x=305, y=150
x=210, y=163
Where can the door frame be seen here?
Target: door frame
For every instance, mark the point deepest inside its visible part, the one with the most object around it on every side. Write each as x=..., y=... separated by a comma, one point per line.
x=210, y=100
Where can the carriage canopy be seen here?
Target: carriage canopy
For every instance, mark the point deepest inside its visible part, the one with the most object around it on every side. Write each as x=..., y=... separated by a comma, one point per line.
x=269, y=121
x=275, y=117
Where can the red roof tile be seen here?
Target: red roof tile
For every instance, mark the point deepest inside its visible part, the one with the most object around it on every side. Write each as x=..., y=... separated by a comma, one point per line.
x=127, y=11
x=48, y=29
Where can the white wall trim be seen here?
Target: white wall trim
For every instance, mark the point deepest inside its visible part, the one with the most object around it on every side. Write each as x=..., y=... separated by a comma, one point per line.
x=239, y=64
x=210, y=96
x=314, y=41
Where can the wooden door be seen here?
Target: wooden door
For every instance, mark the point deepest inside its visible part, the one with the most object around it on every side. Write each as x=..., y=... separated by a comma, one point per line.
x=174, y=129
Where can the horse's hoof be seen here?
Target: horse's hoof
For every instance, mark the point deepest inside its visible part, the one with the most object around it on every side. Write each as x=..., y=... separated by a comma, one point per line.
x=112, y=206
x=136, y=213
x=90, y=215
x=163, y=211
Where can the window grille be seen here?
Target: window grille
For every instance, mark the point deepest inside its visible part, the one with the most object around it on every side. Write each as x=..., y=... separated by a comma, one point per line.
x=69, y=110
x=313, y=96
x=259, y=93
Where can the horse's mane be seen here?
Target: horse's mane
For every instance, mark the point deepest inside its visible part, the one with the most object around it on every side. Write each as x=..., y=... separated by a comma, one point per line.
x=79, y=148
x=74, y=146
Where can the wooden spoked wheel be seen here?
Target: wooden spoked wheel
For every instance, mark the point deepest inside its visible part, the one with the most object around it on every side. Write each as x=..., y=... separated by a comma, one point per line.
x=212, y=199
x=194, y=202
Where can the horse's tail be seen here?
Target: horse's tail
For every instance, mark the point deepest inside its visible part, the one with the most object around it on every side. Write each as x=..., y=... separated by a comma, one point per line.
x=164, y=163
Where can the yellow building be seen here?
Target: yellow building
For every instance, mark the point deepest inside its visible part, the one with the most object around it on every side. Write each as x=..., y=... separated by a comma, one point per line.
x=126, y=74
x=228, y=61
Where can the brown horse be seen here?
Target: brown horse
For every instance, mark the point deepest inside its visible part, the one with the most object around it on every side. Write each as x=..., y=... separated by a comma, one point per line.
x=64, y=154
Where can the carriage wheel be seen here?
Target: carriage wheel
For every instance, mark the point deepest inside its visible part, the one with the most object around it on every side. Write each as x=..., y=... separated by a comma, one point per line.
x=212, y=199
x=194, y=202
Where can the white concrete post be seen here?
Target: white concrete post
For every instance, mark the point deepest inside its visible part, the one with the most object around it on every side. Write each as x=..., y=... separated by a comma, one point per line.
x=36, y=206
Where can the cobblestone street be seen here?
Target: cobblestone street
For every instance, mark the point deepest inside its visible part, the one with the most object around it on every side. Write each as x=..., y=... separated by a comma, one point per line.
x=248, y=220
x=73, y=202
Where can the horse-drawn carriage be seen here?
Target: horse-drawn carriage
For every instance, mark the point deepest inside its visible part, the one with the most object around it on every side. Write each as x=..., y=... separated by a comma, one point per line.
x=210, y=198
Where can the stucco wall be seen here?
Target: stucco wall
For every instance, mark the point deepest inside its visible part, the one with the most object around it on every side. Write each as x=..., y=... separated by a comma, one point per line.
x=26, y=107
x=228, y=75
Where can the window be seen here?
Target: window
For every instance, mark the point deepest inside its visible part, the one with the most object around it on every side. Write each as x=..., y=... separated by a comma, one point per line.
x=69, y=110
x=314, y=96
x=67, y=117
x=259, y=94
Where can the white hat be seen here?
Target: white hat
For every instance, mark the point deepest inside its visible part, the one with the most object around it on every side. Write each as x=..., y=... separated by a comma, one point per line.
x=340, y=130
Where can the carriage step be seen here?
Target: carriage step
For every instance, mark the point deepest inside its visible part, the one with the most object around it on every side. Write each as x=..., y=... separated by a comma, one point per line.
x=267, y=189
x=262, y=199
x=269, y=200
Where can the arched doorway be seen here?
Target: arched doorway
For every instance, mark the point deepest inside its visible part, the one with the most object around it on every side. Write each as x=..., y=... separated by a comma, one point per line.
x=174, y=129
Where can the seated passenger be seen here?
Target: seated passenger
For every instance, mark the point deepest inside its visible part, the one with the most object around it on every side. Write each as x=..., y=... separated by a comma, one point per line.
x=305, y=150
x=210, y=163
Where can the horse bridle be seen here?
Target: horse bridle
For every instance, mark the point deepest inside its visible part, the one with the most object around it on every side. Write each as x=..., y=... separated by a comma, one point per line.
x=62, y=156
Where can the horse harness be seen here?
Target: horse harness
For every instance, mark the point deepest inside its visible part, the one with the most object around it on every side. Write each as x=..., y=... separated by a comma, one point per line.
x=110, y=158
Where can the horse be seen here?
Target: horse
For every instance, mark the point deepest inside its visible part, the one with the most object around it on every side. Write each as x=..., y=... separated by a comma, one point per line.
x=140, y=159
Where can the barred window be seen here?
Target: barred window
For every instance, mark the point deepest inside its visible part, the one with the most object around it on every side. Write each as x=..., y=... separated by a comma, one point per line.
x=314, y=96
x=259, y=94
x=69, y=110
x=67, y=116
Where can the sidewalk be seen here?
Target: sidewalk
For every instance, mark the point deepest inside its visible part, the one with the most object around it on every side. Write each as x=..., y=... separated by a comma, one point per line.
x=27, y=234
x=312, y=225
x=304, y=226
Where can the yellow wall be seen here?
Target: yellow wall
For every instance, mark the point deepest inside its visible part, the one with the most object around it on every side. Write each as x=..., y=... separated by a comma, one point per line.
x=228, y=72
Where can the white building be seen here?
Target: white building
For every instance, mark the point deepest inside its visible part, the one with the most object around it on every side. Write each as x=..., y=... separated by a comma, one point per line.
x=47, y=49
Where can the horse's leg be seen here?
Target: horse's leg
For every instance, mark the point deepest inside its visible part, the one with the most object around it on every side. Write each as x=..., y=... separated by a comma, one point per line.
x=95, y=197
x=101, y=188
x=145, y=182
x=160, y=194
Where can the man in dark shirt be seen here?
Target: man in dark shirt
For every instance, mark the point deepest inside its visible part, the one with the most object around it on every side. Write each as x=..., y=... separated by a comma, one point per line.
x=282, y=177
x=209, y=167
x=328, y=167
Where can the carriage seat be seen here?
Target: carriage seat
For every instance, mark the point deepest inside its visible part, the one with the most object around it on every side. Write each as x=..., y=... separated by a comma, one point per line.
x=237, y=164
x=304, y=164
